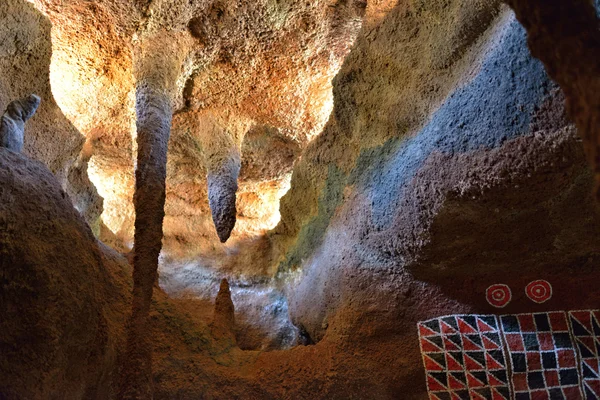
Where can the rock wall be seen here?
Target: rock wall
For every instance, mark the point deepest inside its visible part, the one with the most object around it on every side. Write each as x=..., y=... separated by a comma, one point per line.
x=25, y=56
x=447, y=166
x=58, y=331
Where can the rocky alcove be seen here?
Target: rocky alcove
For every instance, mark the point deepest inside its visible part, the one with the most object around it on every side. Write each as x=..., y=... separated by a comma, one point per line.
x=335, y=199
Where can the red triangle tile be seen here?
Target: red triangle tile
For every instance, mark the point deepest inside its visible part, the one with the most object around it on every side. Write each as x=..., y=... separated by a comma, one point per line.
x=429, y=347
x=474, y=382
x=495, y=382
x=450, y=346
x=483, y=327
x=434, y=385
x=469, y=345
x=454, y=396
x=425, y=331
x=588, y=341
x=476, y=396
x=464, y=327
x=452, y=364
x=584, y=318
x=593, y=364
x=447, y=329
x=471, y=364
x=594, y=385
x=431, y=365
x=492, y=364
x=488, y=344
x=455, y=384
x=497, y=396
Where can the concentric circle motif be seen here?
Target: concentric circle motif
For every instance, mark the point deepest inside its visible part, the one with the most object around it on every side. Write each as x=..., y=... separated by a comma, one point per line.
x=539, y=291
x=498, y=295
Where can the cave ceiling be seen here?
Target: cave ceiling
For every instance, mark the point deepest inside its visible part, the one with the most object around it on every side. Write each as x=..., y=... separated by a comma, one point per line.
x=253, y=87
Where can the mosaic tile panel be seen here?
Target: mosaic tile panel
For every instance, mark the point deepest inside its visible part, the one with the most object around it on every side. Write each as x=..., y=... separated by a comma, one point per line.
x=585, y=326
x=542, y=356
x=464, y=358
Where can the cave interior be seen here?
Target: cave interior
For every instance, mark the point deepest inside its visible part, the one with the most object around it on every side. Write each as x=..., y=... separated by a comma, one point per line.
x=282, y=199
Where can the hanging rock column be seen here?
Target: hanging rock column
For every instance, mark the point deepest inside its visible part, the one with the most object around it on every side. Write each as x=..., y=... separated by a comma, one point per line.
x=221, y=135
x=157, y=65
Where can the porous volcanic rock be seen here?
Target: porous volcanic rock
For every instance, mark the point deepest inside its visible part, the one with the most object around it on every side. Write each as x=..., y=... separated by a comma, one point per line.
x=262, y=66
x=447, y=165
x=25, y=58
x=54, y=336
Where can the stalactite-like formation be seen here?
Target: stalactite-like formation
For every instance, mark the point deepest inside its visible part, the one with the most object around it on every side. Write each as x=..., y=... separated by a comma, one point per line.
x=565, y=36
x=158, y=61
x=12, y=123
x=221, y=142
x=154, y=115
x=222, y=188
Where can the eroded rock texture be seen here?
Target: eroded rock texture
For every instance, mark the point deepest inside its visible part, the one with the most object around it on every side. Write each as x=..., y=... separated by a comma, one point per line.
x=566, y=38
x=55, y=291
x=264, y=67
x=25, y=58
x=447, y=165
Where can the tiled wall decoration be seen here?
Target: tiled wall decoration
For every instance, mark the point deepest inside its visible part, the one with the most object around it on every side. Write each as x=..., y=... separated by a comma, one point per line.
x=543, y=357
x=464, y=358
x=536, y=356
x=585, y=326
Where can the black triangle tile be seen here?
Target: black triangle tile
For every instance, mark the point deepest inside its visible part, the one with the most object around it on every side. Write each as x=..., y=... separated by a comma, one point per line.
x=459, y=376
x=494, y=337
x=455, y=339
x=588, y=373
x=480, y=376
x=490, y=320
x=458, y=356
x=589, y=395
x=439, y=358
x=596, y=326
x=451, y=321
x=486, y=393
x=497, y=355
x=475, y=339
x=436, y=340
x=434, y=325
x=504, y=392
x=463, y=394
x=441, y=377
x=500, y=375
x=578, y=329
x=597, y=342
x=584, y=351
x=471, y=320
x=443, y=395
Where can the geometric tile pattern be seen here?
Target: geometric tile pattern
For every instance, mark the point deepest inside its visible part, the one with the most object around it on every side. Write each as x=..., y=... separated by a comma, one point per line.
x=536, y=356
x=542, y=356
x=464, y=358
x=585, y=327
